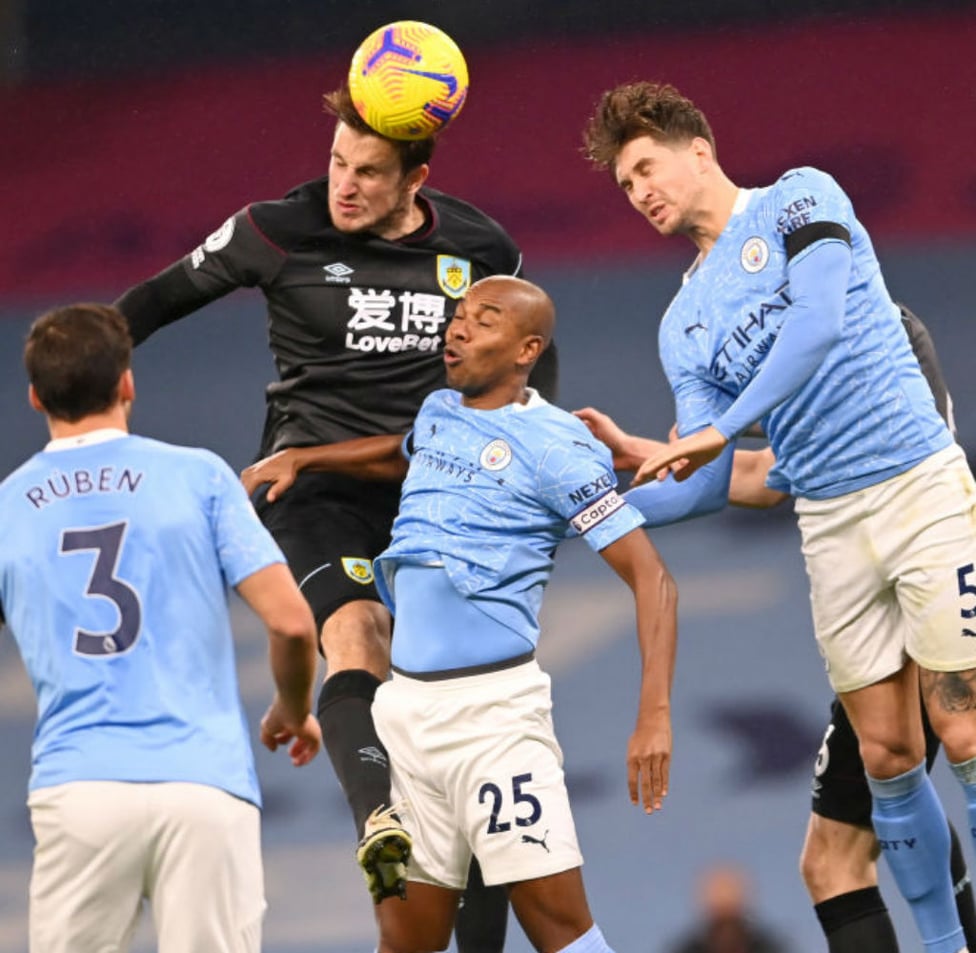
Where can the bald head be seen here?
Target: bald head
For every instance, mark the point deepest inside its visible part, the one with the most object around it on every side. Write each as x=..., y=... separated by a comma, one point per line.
x=499, y=329
x=530, y=306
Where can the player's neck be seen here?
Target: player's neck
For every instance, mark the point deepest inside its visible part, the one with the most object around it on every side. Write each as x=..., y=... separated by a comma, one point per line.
x=715, y=214
x=116, y=418
x=515, y=393
x=411, y=221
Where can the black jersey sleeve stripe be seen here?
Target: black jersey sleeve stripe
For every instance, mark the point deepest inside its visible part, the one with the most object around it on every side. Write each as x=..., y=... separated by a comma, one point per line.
x=165, y=298
x=806, y=235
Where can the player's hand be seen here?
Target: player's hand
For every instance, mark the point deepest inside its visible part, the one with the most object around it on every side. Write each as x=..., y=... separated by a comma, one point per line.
x=304, y=738
x=603, y=427
x=649, y=764
x=280, y=470
x=682, y=457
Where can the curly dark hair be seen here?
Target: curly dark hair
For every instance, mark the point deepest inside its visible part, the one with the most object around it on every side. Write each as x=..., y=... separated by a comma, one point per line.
x=632, y=110
x=413, y=152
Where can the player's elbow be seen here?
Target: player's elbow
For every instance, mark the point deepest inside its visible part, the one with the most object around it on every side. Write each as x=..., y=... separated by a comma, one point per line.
x=292, y=621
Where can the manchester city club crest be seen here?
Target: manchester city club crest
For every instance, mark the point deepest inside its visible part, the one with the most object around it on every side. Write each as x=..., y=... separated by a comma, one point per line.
x=497, y=455
x=453, y=275
x=754, y=255
x=357, y=569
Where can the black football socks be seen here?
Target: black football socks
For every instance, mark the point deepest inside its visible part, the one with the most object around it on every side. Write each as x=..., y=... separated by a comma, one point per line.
x=356, y=752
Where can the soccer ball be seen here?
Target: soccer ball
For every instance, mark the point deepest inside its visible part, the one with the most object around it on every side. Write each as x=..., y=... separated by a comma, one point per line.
x=408, y=80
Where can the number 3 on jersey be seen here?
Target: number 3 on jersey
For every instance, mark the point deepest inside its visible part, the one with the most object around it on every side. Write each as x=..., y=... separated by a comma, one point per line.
x=494, y=793
x=106, y=543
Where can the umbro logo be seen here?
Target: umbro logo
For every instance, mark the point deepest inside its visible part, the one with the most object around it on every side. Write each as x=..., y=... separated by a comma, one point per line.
x=337, y=273
x=373, y=755
x=697, y=326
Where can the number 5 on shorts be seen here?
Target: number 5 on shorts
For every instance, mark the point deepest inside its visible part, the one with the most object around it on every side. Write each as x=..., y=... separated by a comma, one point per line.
x=967, y=588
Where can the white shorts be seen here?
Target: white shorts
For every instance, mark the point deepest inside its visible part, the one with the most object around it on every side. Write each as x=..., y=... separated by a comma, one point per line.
x=194, y=851
x=892, y=573
x=477, y=761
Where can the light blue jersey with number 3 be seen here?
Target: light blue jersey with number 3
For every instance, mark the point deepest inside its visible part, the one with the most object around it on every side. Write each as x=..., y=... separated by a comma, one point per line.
x=114, y=564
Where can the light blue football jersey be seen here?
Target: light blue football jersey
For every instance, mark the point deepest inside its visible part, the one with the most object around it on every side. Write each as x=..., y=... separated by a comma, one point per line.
x=490, y=494
x=867, y=414
x=115, y=559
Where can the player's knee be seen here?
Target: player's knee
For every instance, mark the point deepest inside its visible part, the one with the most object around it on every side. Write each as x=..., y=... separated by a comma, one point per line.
x=888, y=756
x=357, y=636
x=958, y=736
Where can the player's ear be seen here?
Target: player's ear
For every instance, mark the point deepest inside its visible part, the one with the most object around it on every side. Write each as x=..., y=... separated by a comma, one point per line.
x=127, y=387
x=417, y=177
x=703, y=150
x=532, y=347
x=33, y=399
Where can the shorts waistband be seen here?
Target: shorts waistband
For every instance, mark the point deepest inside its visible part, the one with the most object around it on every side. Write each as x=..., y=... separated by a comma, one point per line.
x=468, y=671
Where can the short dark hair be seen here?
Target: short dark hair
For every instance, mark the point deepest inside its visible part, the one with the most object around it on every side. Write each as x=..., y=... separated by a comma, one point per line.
x=413, y=153
x=632, y=110
x=75, y=356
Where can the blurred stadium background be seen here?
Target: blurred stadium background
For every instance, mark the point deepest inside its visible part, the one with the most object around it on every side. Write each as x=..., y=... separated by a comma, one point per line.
x=130, y=131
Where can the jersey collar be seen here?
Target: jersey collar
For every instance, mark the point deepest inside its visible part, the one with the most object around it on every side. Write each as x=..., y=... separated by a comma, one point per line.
x=85, y=439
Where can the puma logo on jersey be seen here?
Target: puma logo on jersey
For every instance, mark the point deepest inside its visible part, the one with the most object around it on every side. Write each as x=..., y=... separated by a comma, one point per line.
x=529, y=839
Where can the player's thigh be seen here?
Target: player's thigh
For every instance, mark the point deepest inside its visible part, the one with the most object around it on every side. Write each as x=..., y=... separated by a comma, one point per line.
x=857, y=620
x=205, y=836
x=839, y=791
x=509, y=790
x=87, y=880
x=487, y=776
x=930, y=551
x=409, y=722
x=330, y=532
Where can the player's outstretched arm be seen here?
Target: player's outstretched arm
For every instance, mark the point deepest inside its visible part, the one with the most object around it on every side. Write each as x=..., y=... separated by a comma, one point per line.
x=634, y=558
x=273, y=595
x=682, y=457
x=368, y=458
x=748, y=485
x=629, y=451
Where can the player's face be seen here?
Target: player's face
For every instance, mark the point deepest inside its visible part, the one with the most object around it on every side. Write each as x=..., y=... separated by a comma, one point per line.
x=368, y=190
x=662, y=182
x=482, y=347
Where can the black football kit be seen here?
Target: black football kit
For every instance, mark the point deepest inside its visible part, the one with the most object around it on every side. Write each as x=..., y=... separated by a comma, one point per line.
x=356, y=328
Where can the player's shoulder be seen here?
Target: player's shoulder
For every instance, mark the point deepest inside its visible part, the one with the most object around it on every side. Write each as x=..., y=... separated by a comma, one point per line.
x=182, y=458
x=806, y=180
x=564, y=429
x=442, y=399
x=301, y=213
x=467, y=225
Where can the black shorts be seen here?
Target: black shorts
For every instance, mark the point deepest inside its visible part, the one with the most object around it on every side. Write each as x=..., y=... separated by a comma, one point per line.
x=330, y=529
x=840, y=790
